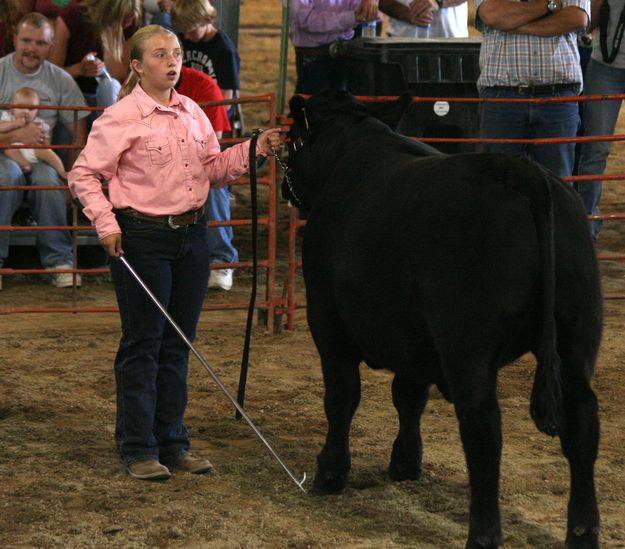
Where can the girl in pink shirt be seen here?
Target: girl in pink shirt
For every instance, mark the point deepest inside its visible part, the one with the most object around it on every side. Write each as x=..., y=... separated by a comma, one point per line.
x=160, y=155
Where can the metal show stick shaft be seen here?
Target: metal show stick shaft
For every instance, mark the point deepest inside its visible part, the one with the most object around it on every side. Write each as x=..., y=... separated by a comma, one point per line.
x=215, y=377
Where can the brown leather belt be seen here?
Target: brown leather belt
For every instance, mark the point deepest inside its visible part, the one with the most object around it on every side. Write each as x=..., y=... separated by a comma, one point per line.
x=545, y=89
x=192, y=217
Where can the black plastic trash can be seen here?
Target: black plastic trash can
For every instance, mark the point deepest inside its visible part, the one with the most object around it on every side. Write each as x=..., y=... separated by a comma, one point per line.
x=425, y=68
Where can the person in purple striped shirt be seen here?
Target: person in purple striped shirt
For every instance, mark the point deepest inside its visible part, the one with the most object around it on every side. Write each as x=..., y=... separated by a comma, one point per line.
x=313, y=26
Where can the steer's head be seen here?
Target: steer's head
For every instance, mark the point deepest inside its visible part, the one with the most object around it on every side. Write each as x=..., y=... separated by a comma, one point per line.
x=316, y=137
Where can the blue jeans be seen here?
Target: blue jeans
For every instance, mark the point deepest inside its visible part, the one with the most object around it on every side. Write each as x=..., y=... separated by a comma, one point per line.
x=152, y=361
x=532, y=121
x=220, y=238
x=599, y=119
x=46, y=207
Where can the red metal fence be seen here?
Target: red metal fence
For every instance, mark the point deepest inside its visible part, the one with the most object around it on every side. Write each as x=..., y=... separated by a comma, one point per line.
x=274, y=304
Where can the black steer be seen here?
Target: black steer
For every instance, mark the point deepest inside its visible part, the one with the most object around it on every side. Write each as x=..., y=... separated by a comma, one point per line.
x=442, y=269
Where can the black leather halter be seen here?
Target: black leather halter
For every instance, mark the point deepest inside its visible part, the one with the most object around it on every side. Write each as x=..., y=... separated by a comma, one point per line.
x=295, y=148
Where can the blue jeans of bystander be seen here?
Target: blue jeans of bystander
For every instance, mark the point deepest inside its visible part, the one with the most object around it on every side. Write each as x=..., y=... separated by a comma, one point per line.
x=152, y=361
x=220, y=238
x=46, y=207
x=532, y=121
x=599, y=119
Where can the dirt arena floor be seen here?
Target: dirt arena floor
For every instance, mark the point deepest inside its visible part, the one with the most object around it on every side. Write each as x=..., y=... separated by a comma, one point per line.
x=61, y=487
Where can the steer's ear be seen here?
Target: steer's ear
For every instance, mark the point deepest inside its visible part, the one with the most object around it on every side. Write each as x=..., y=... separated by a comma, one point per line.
x=297, y=107
x=390, y=113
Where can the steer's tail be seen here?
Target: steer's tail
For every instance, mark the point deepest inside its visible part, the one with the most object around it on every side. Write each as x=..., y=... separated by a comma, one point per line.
x=546, y=401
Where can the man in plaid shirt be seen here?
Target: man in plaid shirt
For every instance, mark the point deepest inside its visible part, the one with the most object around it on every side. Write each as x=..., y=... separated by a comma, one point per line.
x=530, y=50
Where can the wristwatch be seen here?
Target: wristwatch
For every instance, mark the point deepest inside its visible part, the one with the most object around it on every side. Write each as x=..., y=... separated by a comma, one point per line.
x=551, y=6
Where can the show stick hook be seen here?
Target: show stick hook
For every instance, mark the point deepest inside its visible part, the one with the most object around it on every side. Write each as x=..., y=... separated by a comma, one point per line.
x=215, y=377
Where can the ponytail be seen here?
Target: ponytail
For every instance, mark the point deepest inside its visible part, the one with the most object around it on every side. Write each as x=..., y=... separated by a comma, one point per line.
x=129, y=84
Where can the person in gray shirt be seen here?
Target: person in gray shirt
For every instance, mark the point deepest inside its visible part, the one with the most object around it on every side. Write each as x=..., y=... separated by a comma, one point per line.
x=27, y=66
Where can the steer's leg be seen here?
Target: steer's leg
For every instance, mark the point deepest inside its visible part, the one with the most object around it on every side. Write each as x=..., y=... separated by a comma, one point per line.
x=579, y=440
x=473, y=387
x=342, y=395
x=410, y=398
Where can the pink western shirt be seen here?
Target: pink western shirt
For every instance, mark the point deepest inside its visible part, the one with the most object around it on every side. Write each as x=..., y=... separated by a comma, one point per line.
x=157, y=160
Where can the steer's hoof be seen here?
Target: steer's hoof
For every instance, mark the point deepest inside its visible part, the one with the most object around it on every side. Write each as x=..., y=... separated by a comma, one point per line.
x=326, y=484
x=583, y=539
x=398, y=472
x=485, y=541
x=482, y=543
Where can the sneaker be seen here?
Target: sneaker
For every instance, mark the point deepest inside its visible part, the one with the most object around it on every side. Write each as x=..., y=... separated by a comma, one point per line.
x=188, y=463
x=64, y=280
x=220, y=279
x=149, y=469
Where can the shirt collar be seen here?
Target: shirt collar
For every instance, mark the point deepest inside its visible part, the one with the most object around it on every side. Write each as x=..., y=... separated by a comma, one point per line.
x=147, y=105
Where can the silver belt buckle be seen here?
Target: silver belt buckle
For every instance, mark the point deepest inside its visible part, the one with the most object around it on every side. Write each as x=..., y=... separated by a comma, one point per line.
x=524, y=88
x=171, y=223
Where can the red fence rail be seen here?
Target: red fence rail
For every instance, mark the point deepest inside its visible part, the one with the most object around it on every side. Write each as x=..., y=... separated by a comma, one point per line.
x=273, y=304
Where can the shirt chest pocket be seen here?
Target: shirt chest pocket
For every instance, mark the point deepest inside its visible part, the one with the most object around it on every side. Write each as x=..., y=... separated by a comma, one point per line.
x=200, y=147
x=159, y=151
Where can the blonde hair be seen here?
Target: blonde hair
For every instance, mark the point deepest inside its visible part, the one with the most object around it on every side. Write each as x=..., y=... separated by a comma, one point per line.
x=137, y=49
x=107, y=17
x=188, y=14
x=25, y=93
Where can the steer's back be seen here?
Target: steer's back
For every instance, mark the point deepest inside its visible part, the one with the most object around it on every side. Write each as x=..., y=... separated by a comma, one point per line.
x=418, y=256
